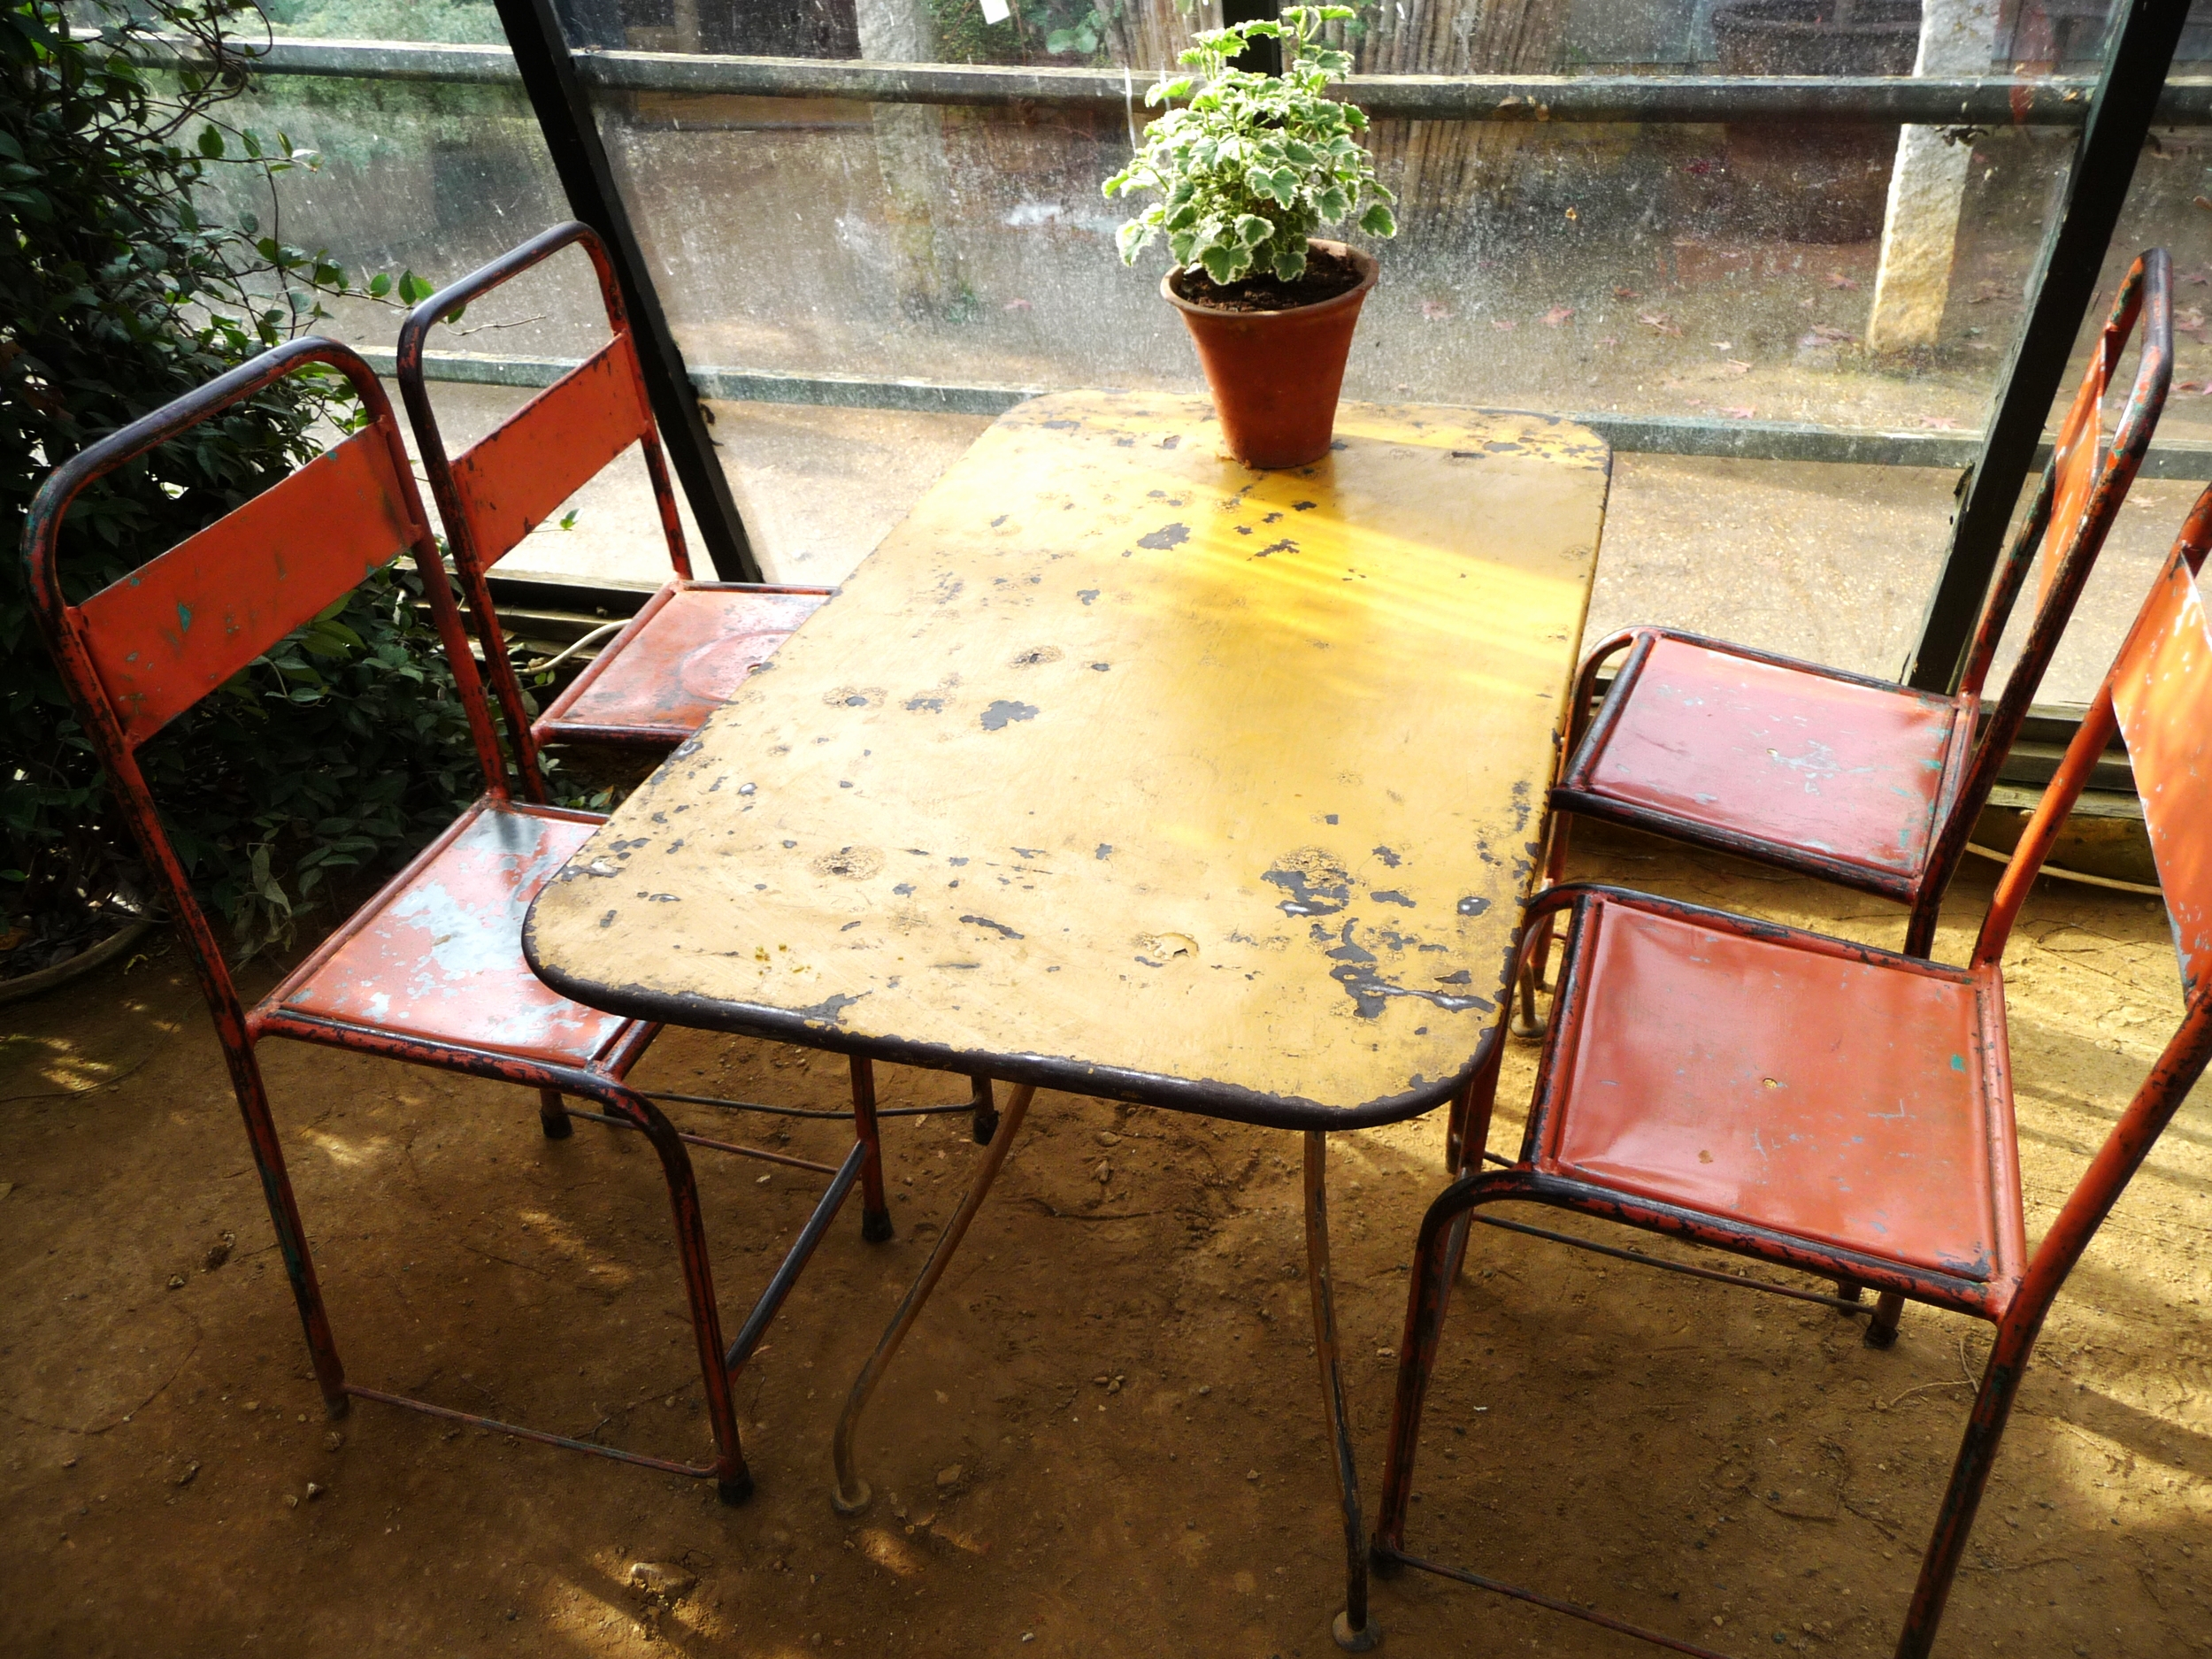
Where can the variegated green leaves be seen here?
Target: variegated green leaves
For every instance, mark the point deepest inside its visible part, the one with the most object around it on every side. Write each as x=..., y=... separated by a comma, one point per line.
x=1253, y=165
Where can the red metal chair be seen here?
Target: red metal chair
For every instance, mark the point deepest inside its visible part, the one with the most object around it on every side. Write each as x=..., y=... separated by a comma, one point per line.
x=431, y=970
x=1835, y=1108
x=1869, y=784
x=694, y=643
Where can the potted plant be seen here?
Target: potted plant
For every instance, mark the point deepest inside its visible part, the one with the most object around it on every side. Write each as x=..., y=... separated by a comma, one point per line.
x=1246, y=172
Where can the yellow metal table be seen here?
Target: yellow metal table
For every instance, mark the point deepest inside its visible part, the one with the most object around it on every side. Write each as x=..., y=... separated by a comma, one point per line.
x=1123, y=769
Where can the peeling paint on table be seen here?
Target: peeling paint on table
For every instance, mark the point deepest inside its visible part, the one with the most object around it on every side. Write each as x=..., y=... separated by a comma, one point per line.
x=1170, y=779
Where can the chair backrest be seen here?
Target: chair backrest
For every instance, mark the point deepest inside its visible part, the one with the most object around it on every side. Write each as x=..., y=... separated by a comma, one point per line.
x=141, y=652
x=2158, y=698
x=513, y=480
x=2160, y=690
x=2084, y=486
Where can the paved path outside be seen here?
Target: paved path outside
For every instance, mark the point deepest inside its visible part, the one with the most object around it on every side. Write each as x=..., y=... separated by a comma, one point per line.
x=1829, y=563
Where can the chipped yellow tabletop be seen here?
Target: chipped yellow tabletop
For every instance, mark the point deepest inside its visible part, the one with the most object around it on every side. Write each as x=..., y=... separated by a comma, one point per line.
x=1121, y=768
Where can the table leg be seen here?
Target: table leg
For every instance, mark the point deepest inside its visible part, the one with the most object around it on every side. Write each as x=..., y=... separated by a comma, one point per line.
x=983, y=1124
x=851, y=1493
x=1355, y=1631
x=875, y=1210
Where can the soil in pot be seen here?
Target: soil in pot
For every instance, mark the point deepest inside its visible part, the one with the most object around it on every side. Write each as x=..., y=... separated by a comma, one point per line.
x=1274, y=353
x=1327, y=275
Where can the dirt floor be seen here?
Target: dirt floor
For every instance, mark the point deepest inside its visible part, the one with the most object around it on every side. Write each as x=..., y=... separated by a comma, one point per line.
x=1104, y=1436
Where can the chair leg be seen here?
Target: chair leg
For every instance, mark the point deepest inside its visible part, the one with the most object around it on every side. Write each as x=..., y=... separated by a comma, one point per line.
x=284, y=1215
x=984, y=1123
x=1467, y=1131
x=1969, y=1476
x=1920, y=929
x=1472, y=1111
x=875, y=1212
x=1528, y=1024
x=733, y=1482
x=1456, y=1127
x=1428, y=1297
x=1537, y=958
x=553, y=1117
x=1881, y=1330
x=1355, y=1632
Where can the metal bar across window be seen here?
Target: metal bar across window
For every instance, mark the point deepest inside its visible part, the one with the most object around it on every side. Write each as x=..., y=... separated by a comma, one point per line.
x=2056, y=100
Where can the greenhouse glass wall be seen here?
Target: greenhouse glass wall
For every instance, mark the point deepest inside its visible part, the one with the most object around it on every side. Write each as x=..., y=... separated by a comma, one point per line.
x=858, y=285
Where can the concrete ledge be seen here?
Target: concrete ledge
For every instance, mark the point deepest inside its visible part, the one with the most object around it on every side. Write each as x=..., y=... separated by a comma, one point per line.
x=1634, y=434
x=1926, y=101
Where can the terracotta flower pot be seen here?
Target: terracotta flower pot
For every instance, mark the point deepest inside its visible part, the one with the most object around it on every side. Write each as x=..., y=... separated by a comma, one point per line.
x=1275, y=376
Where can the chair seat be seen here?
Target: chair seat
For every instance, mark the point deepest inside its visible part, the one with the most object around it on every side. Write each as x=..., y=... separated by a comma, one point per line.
x=1862, y=1105
x=1773, y=761
x=436, y=956
x=683, y=657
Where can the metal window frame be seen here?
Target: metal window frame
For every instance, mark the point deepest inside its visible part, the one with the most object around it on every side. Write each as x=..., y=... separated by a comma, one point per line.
x=1631, y=434
x=562, y=105
x=2066, y=274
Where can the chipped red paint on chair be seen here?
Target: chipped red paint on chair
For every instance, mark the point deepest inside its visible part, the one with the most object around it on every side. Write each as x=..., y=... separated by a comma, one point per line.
x=693, y=644
x=431, y=970
x=1866, y=783
x=1835, y=1108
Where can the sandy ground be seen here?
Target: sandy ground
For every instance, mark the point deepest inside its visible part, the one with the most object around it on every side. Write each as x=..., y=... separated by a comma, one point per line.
x=1104, y=1436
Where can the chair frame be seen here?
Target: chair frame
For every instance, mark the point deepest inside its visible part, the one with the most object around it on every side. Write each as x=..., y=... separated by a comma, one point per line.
x=1970, y=768
x=2016, y=1298
x=471, y=567
x=118, y=727
x=465, y=535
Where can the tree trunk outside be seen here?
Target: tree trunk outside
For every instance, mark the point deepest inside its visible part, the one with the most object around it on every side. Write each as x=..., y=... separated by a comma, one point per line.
x=1928, y=186
x=910, y=157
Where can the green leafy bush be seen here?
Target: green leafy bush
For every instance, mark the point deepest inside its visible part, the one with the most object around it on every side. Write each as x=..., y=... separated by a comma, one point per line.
x=451, y=22
x=344, y=745
x=1033, y=31
x=1083, y=34
x=1256, y=164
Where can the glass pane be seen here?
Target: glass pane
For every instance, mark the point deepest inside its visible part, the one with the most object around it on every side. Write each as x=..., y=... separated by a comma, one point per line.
x=1722, y=276
x=439, y=181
